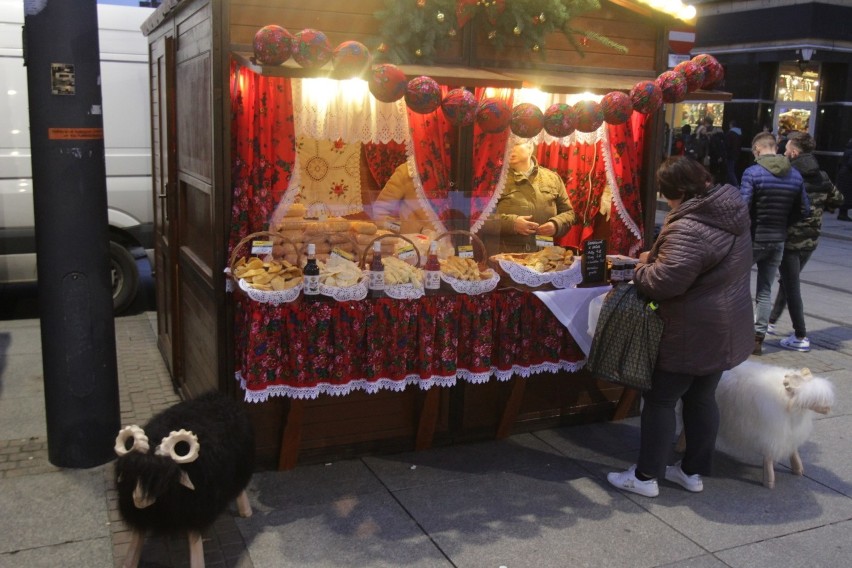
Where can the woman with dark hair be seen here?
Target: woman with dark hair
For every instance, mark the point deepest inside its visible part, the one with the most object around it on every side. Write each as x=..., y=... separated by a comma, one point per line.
x=698, y=273
x=844, y=182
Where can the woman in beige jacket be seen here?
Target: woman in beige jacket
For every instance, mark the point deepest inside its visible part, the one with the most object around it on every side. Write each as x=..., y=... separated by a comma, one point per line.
x=398, y=201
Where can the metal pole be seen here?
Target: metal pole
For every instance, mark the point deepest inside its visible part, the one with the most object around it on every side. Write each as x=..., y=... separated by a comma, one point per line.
x=61, y=52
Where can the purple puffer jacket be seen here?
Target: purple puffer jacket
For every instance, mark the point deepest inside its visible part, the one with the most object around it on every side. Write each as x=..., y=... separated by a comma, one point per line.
x=698, y=272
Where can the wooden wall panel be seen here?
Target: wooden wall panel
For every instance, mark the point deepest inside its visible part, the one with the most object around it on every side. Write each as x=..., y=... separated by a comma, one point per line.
x=340, y=20
x=194, y=106
x=198, y=318
x=195, y=222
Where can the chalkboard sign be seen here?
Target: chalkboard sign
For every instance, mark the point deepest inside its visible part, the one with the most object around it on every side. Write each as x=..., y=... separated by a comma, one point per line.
x=594, y=263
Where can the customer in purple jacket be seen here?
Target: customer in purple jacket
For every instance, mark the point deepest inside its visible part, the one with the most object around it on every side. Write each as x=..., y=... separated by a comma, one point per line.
x=698, y=272
x=775, y=194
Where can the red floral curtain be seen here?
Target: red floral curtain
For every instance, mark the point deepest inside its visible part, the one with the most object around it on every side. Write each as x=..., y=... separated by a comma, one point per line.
x=432, y=138
x=382, y=159
x=626, y=219
x=263, y=148
x=583, y=168
x=487, y=160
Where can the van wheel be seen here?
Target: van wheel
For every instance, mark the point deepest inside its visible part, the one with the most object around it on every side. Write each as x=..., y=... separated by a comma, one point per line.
x=124, y=275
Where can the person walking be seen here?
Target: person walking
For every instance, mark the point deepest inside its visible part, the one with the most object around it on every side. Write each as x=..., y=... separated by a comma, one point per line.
x=844, y=182
x=775, y=194
x=733, y=141
x=801, y=239
x=698, y=272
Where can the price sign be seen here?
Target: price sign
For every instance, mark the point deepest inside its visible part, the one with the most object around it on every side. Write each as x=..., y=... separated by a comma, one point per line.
x=261, y=247
x=594, y=263
x=465, y=251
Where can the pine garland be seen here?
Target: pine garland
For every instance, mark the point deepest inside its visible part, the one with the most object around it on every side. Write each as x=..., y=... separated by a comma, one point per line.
x=413, y=30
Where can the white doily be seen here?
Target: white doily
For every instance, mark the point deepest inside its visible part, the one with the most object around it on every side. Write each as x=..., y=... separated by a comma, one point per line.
x=569, y=278
x=472, y=287
x=524, y=274
x=404, y=291
x=274, y=297
x=357, y=291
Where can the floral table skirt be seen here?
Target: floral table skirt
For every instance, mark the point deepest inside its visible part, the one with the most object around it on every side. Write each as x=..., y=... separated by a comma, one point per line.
x=302, y=350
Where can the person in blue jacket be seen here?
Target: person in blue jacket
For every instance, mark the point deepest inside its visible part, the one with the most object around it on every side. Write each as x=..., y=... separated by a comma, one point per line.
x=775, y=194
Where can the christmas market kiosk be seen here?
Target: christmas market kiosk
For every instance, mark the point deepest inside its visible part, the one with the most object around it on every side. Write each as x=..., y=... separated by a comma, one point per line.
x=327, y=180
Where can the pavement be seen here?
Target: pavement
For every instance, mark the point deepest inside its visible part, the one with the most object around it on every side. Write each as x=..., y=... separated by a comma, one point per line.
x=533, y=500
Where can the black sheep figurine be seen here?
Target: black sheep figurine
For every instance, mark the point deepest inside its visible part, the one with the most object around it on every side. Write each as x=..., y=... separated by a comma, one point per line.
x=203, y=459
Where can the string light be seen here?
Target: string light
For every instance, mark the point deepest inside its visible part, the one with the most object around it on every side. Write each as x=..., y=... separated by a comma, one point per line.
x=675, y=8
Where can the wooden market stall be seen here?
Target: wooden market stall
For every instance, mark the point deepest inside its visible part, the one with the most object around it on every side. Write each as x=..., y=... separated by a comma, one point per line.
x=201, y=63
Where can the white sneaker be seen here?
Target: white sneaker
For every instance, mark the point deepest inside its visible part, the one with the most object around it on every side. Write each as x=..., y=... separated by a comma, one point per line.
x=770, y=329
x=795, y=344
x=628, y=481
x=693, y=482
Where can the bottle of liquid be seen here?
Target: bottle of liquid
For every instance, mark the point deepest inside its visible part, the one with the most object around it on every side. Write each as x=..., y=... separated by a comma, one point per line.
x=311, y=274
x=433, y=270
x=377, y=272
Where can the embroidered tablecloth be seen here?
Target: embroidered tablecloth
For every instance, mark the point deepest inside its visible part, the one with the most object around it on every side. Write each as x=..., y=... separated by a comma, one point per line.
x=302, y=350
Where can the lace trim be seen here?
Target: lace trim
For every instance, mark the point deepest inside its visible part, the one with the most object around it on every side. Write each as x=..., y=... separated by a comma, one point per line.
x=498, y=191
x=472, y=287
x=372, y=387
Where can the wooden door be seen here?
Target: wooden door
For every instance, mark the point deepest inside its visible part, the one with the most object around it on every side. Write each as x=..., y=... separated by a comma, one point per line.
x=165, y=197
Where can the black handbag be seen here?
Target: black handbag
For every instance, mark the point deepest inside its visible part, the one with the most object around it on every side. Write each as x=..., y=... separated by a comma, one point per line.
x=627, y=339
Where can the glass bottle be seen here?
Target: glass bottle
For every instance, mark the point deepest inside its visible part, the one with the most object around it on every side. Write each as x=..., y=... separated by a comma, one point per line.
x=433, y=270
x=377, y=271
x=311, y=274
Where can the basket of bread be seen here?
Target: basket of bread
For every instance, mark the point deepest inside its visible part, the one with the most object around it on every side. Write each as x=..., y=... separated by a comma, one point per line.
x=341, y=278
x=461, y=270
x=403, y=277
x=261, y=275
x=553, y=265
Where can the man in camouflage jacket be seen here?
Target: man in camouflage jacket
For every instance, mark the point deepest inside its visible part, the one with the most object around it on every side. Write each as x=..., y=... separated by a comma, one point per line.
x=802, y=236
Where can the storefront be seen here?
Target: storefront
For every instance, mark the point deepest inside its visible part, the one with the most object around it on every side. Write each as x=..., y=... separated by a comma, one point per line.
x=787, y=64
x=235, y=142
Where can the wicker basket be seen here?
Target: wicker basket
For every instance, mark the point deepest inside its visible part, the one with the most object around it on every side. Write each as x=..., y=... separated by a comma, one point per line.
x=263, y=296
x=472, y=287
x=406, y=291
x=508, y=265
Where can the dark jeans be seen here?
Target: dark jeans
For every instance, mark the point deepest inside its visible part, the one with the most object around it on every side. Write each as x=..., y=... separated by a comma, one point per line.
x=789, y=291
x=700, y=422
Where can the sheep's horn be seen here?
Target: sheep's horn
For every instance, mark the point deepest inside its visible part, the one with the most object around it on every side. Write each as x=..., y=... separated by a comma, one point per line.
x=140, y=440
x=167, y=446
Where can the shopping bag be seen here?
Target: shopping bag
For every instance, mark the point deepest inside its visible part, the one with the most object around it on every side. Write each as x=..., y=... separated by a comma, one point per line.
x=627, y=338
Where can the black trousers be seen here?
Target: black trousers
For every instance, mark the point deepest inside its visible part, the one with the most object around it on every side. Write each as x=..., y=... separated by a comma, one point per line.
x=700, y=422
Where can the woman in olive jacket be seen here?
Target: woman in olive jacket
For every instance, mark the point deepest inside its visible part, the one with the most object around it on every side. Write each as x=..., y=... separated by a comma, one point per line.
x=698, y=272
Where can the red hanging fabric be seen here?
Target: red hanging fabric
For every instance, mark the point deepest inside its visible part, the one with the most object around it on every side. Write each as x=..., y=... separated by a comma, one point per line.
x=263, y=148
x=432, y=144
x=382, y=159
x=626, y=219
x=489, y=151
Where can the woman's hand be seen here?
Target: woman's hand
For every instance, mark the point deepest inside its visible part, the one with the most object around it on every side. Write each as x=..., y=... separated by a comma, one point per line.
x=524, y=225
x=643, y=257
x=546, y=229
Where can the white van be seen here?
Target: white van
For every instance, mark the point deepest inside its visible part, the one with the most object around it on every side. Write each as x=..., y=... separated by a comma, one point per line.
x=127, y=141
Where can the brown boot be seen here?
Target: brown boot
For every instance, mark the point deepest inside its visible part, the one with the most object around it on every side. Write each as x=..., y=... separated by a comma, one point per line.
x=758, y=345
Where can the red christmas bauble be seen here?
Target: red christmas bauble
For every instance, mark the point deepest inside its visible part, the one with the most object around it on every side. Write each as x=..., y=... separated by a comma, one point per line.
x=589, y=115
x=351, y=58
x=527, y=120
x=493, y=115
x=311, y=48
x=423, y=95
x=459, y=107
x=560, y=119
x=693, y=72
x=273, y=45
x=673, y=85
x=713, y=70
x=616, y=107
x=387, y=82
x=646, y=97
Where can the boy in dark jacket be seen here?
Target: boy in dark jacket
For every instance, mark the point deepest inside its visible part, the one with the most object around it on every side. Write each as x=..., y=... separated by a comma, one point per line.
x=802, y=238
x=775, y=194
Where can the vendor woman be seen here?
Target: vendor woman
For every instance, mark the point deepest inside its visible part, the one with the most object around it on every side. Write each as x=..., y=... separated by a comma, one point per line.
x=533, y=202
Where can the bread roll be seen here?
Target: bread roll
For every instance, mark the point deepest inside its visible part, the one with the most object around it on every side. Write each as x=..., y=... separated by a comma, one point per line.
x=296, y=210
x=363, y=227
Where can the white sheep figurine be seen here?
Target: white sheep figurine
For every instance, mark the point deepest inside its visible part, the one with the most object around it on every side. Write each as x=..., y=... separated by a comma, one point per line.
x=769, y=411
